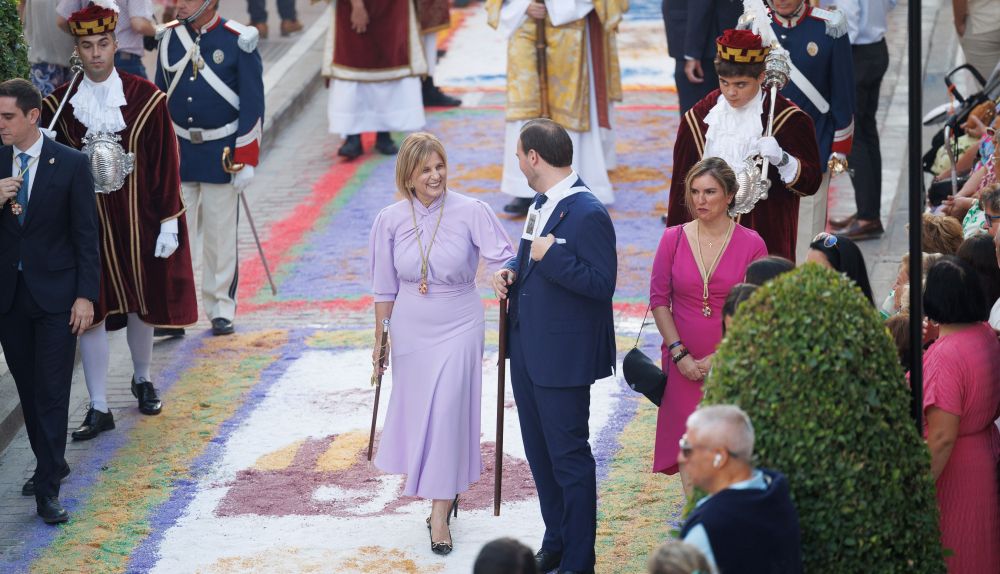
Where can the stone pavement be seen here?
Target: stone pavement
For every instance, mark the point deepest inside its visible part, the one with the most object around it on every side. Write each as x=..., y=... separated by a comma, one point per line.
x=200, y=488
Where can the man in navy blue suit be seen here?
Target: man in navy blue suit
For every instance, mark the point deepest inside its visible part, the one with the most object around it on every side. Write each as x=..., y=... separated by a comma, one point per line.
x=49, y=279
x=561, y=339
x=692, y=27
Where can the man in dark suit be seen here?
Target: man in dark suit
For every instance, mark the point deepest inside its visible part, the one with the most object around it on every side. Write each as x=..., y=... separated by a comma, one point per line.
x=692, y=27
x=49, y=278
x=561, y=339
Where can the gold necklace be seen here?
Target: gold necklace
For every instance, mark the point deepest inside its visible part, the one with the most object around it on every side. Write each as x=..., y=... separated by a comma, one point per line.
x=706, y=276
x=425, y=257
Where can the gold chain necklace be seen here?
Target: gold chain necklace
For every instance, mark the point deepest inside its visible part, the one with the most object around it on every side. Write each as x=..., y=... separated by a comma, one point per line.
x=425, y=256
x=706, y=276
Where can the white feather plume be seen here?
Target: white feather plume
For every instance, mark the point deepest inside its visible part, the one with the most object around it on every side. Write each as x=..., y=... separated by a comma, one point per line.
x=761, y=20
x=108, y=4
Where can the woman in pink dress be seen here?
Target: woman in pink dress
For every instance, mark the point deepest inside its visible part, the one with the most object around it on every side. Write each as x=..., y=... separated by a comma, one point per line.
x=961, y=401
x=425, y=251
x=695, y=266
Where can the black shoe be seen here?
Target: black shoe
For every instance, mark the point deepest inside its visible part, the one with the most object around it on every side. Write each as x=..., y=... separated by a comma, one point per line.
x=547, y=561
x=168, y=332
x=434, y=97
x=352, y=147
x=222, y=326
x=384, y=144
x=149, y=401
x=518, y=206
x=51, y=510
x=94, y=424
x=29, y=485
x=440, y=548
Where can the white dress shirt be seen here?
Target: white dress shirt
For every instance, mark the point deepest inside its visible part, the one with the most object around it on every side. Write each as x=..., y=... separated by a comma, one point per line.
x=537, y=218
x=35, y=151
x=561, y=12
x=866, y=19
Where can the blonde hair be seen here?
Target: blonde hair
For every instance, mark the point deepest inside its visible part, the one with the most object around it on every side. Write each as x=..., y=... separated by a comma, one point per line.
x=413, y=153
x=719, y=170
x=676, y=557
x=941, y=234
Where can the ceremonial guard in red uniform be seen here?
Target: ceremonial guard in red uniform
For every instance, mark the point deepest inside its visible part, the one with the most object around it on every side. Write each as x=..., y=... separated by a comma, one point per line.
x=434, y=16
x=374, y=58
x=146, y=276
x=730, y=122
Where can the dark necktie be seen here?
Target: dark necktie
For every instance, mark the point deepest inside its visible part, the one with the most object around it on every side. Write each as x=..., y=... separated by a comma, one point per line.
x=540, y=200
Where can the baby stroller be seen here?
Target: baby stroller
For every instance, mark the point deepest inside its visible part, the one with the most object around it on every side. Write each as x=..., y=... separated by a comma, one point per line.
x=954, y=115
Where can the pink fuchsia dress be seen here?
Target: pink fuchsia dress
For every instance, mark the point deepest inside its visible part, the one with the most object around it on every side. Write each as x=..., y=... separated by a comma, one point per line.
x=432, y=430
x=700, y=334
x=962, y=377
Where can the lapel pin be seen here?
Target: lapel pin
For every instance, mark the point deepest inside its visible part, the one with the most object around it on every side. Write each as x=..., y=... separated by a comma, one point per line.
x=562, y=214
x=52, y=161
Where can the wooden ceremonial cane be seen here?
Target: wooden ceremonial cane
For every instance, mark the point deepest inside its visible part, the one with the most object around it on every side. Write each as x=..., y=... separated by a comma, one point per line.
x=543, y=67
x=377, y=382
x=501, y=380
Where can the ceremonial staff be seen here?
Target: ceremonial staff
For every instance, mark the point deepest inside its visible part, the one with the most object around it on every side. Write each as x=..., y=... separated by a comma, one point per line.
x=543, y=74
x=76, y=66
x=377, y=381
x=501, y=380
x=229, y=167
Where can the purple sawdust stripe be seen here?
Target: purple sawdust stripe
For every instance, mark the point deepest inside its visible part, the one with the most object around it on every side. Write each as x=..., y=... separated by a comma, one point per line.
x=86, y=473
x=162, y=518
x=607, y=444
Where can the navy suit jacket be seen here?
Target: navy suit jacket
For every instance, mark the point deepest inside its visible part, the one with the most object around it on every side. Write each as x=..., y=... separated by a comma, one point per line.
x=564, y=314
x=693, y=26
x=57, y=245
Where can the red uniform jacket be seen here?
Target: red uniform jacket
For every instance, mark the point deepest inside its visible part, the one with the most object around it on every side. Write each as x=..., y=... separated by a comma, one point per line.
x=776, y=218
x=133, y=280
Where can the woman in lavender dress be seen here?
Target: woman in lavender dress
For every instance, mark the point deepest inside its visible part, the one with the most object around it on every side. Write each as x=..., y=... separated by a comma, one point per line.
x=425, y=251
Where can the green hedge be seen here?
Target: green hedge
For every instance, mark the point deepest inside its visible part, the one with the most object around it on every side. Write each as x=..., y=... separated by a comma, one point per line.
x=13, y=48
x=812, y=364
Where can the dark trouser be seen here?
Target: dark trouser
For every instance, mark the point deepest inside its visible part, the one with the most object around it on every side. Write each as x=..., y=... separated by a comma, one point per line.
x=870, y=64
x=689, y=93
x=39, y=348
x=555, y=429
x=258, y=10
x=130, y=63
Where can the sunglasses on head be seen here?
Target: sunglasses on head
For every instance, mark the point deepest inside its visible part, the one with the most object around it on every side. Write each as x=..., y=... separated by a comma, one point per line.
x=828, y=239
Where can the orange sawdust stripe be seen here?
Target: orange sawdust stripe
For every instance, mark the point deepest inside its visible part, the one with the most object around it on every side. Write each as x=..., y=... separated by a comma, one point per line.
x=103, y=532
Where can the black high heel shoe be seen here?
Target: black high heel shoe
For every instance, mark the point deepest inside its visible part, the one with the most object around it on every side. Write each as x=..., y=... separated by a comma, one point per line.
x=443, y=548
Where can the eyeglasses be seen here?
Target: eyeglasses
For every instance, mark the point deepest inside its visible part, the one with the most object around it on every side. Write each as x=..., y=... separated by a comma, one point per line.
x=829, y=240
x=687, y=449
x=990, y=219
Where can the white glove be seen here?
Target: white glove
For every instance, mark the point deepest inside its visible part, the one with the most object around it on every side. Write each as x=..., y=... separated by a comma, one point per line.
x=769, y=148
x=241, y=179
x=166, y=242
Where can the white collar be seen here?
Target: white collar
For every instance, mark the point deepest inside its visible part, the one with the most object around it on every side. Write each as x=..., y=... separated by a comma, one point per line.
x=34, y=151
x=732, y=131
x=98, y=104
x=561, y=190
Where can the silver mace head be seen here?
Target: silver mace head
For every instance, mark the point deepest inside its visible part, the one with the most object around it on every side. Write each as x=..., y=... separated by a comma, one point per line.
x=109, y=163
x=751, y=187
x=776, y=68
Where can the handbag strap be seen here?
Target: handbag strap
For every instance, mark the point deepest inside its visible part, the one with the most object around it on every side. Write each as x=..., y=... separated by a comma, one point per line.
x=680, y=233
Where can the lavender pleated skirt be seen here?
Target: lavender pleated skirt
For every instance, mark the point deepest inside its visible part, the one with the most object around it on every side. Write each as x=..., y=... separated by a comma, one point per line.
x=432, y=429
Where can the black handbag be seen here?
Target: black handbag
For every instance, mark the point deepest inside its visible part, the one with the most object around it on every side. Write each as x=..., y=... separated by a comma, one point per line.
x=641, y=373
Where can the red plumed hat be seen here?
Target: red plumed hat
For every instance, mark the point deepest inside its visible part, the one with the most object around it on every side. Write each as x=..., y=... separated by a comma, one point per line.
x=741, y=47
x=97, y=18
